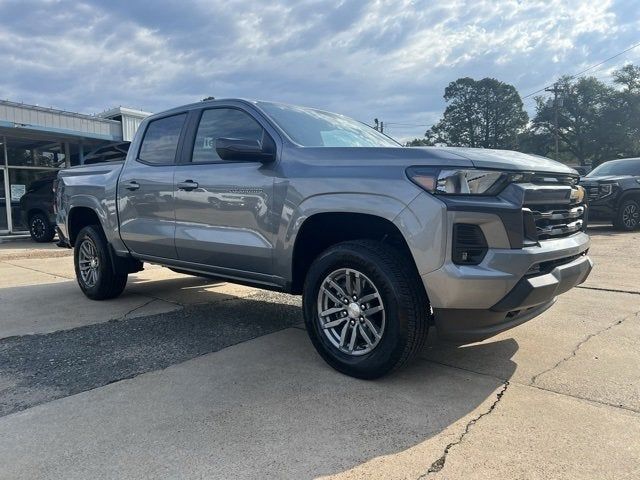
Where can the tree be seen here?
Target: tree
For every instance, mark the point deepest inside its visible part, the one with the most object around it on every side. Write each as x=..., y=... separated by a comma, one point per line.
x=596, y=122
x=419, y=142
x=629, y=77
x=580, y=113
x=484, y=113
x=628, y=109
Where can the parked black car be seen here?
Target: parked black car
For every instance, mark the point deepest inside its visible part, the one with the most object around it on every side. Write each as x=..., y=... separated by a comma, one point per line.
x=37, y=209
x=613, y=193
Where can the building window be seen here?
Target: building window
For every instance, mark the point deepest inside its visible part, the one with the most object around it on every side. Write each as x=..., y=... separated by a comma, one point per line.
x=22, y=152
x=4, y=220
x=21, y=181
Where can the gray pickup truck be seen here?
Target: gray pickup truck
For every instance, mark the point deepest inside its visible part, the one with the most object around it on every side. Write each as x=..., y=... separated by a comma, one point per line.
x=382, y=241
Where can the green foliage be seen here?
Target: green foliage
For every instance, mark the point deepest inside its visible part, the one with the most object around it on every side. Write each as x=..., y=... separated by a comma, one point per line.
x=596, y=122
x=480, y=113
x=419, y=142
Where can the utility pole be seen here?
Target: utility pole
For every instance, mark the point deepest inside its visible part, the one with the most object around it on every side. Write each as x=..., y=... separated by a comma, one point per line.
x=556, y=104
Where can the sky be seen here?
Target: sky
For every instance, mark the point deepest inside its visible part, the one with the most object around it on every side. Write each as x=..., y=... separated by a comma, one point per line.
x=367, y=59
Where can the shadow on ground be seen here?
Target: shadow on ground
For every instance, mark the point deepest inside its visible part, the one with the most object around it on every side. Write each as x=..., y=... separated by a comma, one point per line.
x=40, y=368
x=269, y=408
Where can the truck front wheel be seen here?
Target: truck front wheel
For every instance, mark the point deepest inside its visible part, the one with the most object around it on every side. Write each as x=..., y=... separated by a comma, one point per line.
x=95, y=273
x=628, y=216
x=365, y=309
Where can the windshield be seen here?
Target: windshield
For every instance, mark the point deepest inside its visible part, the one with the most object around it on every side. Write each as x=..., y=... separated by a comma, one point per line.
x=314, y=128
x=621, y=167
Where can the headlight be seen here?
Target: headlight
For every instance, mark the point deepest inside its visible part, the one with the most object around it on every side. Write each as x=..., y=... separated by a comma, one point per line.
x=458, y=181
x=606, y=189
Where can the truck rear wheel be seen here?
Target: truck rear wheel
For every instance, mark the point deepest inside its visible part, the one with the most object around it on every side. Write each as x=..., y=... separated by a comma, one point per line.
x=95, y=273
x=628, y=216
x=365, y=309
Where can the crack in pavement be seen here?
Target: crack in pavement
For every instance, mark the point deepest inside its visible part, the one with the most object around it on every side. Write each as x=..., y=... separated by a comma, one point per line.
x=537, y=387
x=614, y=290
x=438, y=465
x=178, y=304
x=574, y=352
x=126, y=314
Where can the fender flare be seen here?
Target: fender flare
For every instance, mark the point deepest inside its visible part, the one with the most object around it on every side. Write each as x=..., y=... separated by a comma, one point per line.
x=378, y=205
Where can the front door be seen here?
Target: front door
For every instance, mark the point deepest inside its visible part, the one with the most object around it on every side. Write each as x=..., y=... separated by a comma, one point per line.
x=146, y=202
x=223, y=207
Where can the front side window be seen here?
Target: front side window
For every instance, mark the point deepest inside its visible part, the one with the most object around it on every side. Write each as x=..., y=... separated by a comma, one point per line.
x=160, y=141
x=223, y=123
x=315, y=128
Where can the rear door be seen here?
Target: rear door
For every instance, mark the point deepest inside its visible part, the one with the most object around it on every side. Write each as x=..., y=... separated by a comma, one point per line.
x=223, y=207
x=146, y=200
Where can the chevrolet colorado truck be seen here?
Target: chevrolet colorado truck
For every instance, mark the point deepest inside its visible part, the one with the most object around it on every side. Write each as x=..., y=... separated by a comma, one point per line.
x=613, y=193
x=382, y=241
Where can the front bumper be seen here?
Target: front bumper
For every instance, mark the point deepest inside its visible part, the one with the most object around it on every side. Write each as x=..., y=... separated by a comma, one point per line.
x=482, y=286
x=509, y=287
x=531, y=296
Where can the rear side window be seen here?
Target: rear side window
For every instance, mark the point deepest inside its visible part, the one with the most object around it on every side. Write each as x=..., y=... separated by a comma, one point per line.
x=223, y=123
x=160, y=141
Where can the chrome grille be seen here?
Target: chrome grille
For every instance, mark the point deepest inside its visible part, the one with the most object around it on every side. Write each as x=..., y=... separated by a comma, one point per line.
x=552, y=213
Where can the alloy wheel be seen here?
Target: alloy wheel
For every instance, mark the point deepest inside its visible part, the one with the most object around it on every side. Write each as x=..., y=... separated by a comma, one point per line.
x=88, y=262
x=38, y=227
x=351, y=312
x=630, y=215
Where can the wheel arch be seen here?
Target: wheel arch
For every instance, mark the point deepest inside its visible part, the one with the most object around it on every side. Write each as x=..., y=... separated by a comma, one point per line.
x=321, y=230
x=86, y=210
x=35, y=210
x=80, y=217
x=632, y=194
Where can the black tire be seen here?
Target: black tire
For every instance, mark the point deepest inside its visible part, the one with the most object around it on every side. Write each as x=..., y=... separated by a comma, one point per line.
x=40, y=228
x=109, y=282
x=628, y=216
x=406, y=307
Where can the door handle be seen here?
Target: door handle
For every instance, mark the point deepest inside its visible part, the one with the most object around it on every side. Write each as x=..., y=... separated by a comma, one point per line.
x=132, y=185
x=188, y=185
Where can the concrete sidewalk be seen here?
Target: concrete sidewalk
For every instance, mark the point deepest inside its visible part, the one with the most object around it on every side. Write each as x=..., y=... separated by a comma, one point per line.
x=185, y=378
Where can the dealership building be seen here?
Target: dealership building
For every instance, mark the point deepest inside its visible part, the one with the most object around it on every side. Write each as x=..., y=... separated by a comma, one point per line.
x=36, y=142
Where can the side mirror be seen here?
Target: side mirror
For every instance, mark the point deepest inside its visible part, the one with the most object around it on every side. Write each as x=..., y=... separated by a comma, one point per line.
x=240, y=149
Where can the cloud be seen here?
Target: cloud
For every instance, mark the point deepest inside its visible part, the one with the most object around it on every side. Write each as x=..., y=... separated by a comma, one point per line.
x=385, y=59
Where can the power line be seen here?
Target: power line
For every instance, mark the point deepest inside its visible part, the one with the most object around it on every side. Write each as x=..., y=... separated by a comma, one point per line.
x=586, y=69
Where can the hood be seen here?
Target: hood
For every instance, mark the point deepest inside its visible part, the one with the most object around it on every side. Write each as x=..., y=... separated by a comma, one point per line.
x=603, y=178
x=510, y=160
x=428, y=156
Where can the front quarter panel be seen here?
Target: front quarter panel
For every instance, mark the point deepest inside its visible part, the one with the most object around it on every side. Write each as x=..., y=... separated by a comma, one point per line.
x=294, y=217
